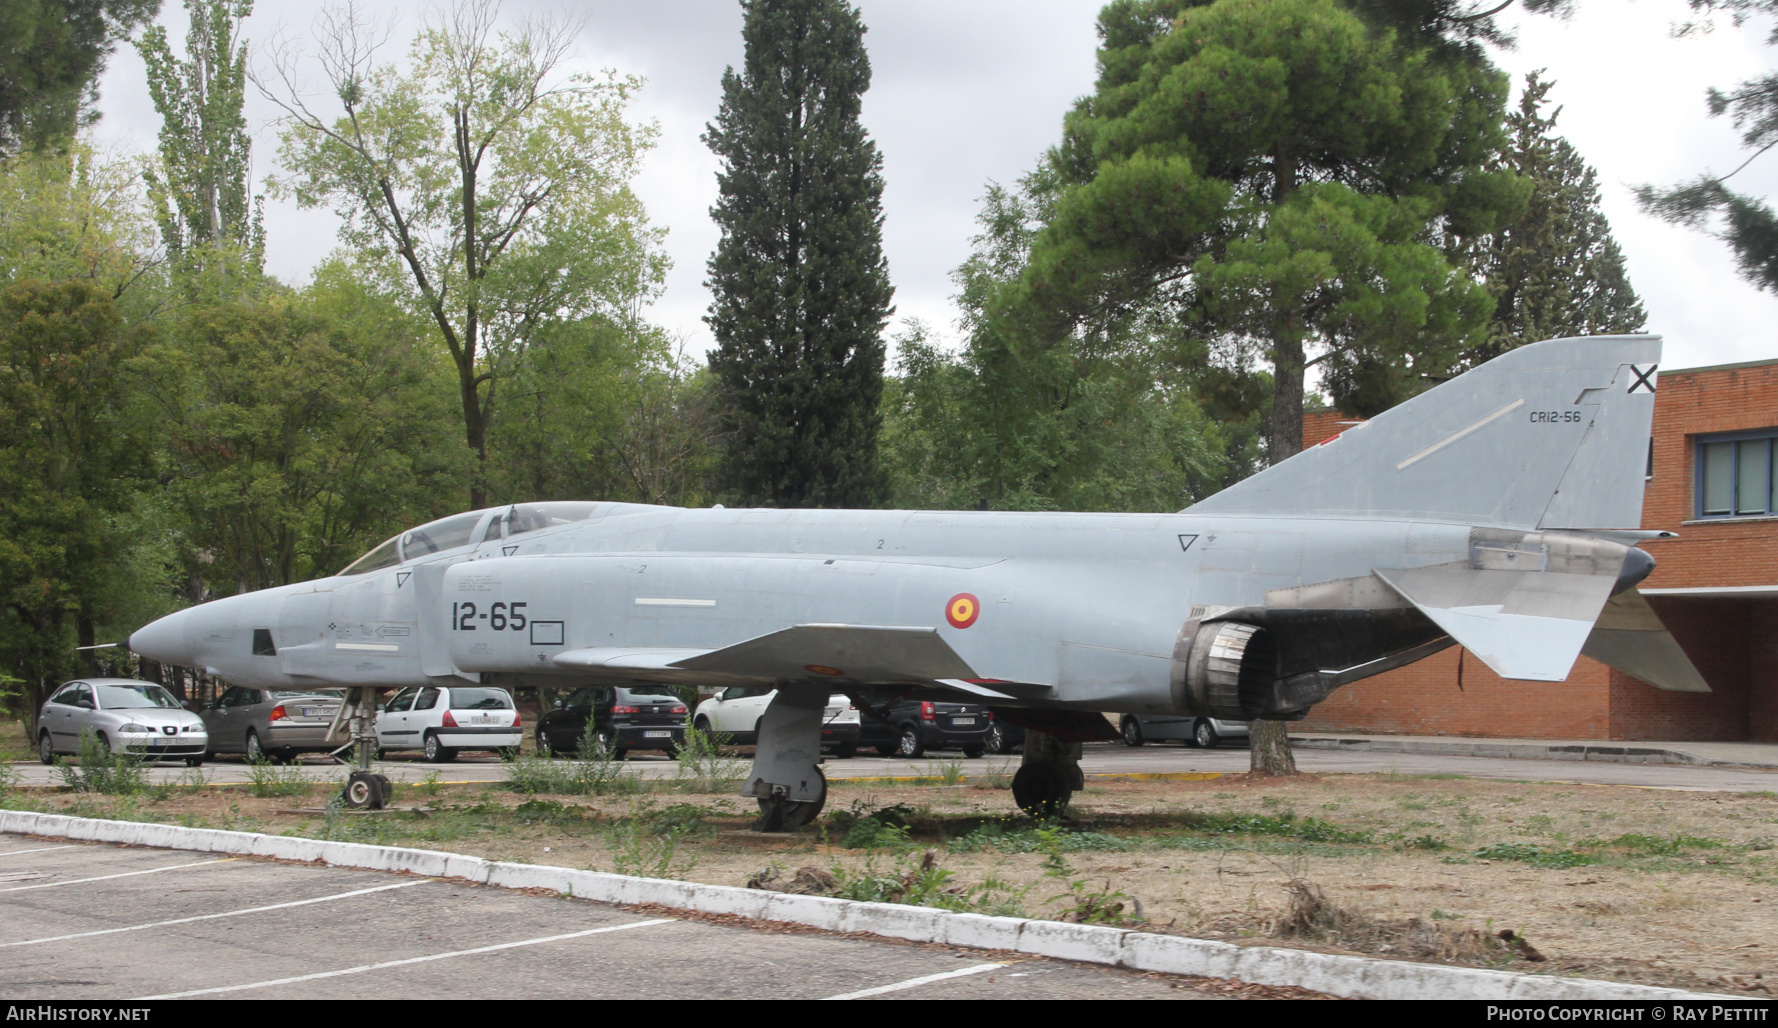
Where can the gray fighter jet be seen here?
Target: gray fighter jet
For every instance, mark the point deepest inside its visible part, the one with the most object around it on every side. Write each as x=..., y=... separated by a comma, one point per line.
x=1499, y=511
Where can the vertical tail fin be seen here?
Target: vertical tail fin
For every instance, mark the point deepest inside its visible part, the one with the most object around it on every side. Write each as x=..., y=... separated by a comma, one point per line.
x=1551, y=435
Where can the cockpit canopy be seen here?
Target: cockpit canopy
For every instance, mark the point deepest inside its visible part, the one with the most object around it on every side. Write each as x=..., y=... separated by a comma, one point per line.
x=459, y=530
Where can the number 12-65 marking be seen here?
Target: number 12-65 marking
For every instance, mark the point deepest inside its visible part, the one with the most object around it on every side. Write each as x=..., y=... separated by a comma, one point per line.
x=501, y=617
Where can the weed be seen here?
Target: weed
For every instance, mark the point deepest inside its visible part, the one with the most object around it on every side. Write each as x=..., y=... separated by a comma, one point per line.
x=266, y=779
x=594, y=771
x=998, y=838
x=534, y=810
x=704, y=767
x=1308, y=829
x=919, y=881
x=104, y=770
x=950, y=772
x=430, y=784
x=1000, y=777
x=1654, y=845
x=641, y=846
x=1443, y=915
x=1537, y=856
x=1081, y=904
x=1425, y=842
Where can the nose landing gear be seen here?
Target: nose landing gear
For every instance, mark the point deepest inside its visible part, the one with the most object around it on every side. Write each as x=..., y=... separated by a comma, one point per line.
x=365, y=789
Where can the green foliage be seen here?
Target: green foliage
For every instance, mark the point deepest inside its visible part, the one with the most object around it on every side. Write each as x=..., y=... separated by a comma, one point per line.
x=916, y=879
x=1747, y=223
x=801, y=285
x=267, y=779
x=491, y=190
x=646, y=843
x=1080, y=904
x=103, y=770
x=199, y=185
x=1654, y=845
x=703, y=766
x=1537, y=856
x=1308, y=829
x=1265, y=180
x=302, y=428
x=998, y=838
x=1554, y=270
x=594, y=771
x=70, y=461
x=54, y=53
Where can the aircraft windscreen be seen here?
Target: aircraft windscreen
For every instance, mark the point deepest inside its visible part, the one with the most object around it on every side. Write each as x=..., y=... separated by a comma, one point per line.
x=533, y=517
x=128, y=697
x=386, y=555
x=447, y=534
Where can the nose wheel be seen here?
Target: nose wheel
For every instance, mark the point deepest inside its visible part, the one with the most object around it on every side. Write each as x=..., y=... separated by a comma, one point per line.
x=366, y=791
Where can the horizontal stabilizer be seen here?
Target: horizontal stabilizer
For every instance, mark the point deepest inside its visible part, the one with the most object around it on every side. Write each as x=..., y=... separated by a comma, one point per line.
x=1631, y=638
x=1524, y=625
x=861, y=654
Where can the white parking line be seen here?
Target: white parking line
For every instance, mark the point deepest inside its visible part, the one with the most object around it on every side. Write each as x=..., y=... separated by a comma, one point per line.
x=126, y=874
x=914, y=983
x=212, y=917
x=39, y=849
x=362, y=968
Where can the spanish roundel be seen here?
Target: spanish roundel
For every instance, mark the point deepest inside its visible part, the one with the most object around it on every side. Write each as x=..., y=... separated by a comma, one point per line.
x=963, y=609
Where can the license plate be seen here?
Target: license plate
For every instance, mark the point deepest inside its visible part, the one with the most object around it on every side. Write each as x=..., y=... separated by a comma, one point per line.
x=963, y=721
x=482, y=720
x=318, y=712
x=657, y=735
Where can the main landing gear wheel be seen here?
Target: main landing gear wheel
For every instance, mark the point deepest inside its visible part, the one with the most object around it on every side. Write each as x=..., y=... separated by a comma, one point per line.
x=777, y=814
x=366, y=791
x=1041, y=790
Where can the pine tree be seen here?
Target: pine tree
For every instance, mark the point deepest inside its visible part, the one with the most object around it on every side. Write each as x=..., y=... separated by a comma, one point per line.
x=802, y=289
x=200, y=189
x=51, y=55
x=1555, y=270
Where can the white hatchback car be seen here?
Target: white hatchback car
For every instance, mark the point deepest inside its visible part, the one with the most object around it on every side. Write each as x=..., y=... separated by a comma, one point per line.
x=736, y=712
x=442, y=721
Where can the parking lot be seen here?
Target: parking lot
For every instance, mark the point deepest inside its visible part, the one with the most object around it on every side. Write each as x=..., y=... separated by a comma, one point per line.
x=93, y=921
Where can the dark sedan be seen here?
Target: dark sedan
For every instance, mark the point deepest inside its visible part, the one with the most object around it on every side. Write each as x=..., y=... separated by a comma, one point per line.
x=623, y=718
x=916, y=726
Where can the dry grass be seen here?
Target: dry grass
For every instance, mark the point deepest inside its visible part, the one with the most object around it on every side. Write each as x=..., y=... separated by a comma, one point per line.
x=1668, y=888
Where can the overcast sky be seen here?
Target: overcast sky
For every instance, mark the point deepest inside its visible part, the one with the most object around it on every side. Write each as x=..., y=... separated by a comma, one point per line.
x=966, y=91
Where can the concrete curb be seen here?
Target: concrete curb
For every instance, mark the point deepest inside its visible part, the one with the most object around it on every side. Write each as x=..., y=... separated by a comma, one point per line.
x=1344, y=976
x=1616, y=753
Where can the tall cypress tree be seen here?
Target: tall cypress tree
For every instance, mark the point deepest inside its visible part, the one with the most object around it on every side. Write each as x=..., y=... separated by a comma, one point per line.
x=802, y=289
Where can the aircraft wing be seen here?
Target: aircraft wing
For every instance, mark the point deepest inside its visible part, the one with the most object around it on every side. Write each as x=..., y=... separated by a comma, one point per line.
x=850, y=654
x=1527, y=626
x=1631, y=638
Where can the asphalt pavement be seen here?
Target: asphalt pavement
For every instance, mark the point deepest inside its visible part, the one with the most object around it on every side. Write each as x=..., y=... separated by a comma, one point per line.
x=82, y=921
x=1099, y=759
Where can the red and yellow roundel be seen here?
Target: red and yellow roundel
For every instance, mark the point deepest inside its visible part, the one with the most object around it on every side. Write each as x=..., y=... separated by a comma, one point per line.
x=823, y=669
x=963, y=609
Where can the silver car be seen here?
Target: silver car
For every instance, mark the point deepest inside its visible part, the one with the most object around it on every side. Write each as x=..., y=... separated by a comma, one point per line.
x=272, y=724
x=122, y=715
x=1205, y=732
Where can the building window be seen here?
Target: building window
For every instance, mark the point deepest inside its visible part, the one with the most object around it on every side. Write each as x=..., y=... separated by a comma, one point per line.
x=1735, y=475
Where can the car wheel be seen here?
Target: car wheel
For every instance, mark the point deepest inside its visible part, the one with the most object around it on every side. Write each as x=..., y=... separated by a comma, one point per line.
x=911, y=744
x=256, y=753
x=608, y=746
x=1204, y=734
x=846, y=750
x=1132, y=732
x=437, y=752
x=997, y=739
x=46, y=750
x=104, y=747
x=702, y=724
x=974, y=752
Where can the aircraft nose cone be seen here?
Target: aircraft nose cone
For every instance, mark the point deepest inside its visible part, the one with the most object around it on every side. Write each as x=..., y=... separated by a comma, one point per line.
x=163, y=640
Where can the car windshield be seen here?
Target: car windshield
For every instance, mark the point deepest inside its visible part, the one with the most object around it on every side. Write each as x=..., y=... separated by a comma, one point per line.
x=533, y=517
x=125, y=697
x=480, y=699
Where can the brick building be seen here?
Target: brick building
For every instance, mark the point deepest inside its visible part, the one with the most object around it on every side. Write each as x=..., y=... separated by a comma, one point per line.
x=1712, y=481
